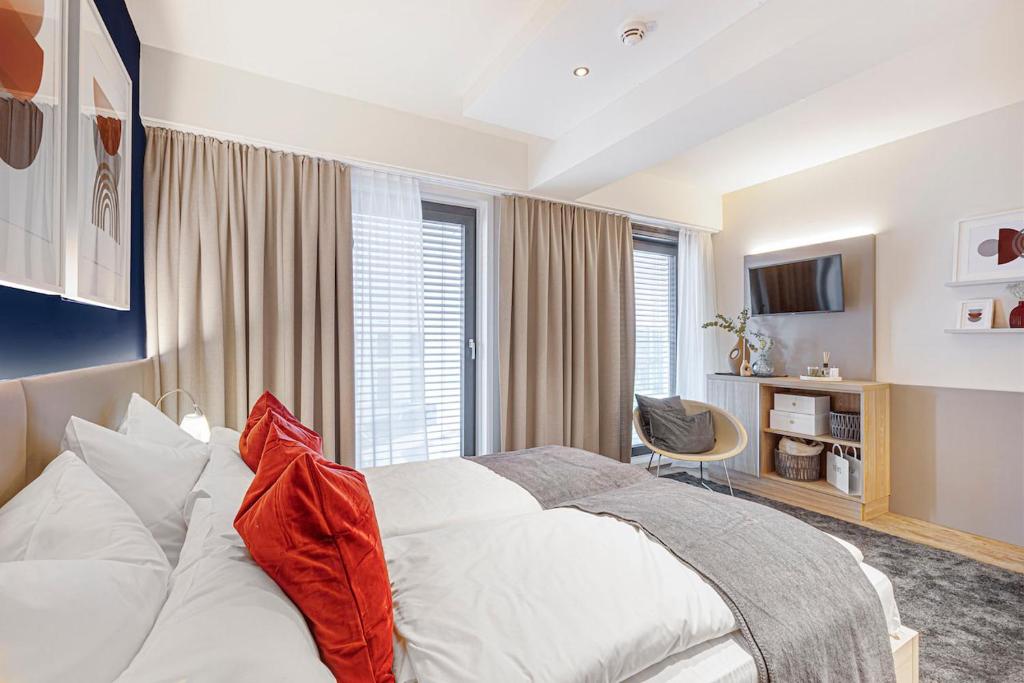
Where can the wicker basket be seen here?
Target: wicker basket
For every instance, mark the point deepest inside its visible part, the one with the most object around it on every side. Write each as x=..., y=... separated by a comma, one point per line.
x=798, y=467
x=844, y=426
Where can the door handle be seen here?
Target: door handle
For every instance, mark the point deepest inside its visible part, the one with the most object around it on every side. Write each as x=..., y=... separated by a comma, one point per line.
x=471, y=343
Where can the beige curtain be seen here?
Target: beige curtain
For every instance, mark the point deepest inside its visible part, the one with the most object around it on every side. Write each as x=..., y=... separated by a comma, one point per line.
x=566, y=327
x=248, y=271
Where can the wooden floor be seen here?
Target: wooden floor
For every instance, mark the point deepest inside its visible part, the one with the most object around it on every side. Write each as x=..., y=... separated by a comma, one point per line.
x=990, y=551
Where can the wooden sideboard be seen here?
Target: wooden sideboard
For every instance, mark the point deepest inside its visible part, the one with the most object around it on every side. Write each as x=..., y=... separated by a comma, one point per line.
x=751, y=398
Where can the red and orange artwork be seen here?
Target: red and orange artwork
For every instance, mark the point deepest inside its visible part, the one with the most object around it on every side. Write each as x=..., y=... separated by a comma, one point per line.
x=21, y=73
x=1008, y=246
x=106, y=207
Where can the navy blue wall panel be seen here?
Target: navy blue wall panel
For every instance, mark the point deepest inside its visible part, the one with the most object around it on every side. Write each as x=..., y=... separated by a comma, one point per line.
x=42, y=333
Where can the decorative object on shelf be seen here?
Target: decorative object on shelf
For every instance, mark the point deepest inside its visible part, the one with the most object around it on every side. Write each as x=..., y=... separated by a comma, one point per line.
x=798, y=460
x=824, y=373
x=975, y=314
x=194, y=423
x=98, y=210
x=31, y=136
x=1017, y=314
x=763, y=345
x=989, y=248
x=844, y=469
x=738, y=327
x=821, y=378
x=844, y=425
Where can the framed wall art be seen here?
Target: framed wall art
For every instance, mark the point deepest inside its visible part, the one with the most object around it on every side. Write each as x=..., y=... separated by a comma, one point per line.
x=990, y=248
x=98, y=202
x=32, y=115
x=976, y=314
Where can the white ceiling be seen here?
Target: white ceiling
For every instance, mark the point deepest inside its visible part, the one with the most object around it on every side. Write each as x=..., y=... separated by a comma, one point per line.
x=721, y=95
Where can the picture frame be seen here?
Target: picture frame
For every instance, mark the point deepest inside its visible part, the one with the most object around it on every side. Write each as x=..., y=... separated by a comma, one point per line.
x=33, y=104
x=97, y=206
x=976, y=314
x=989, y=249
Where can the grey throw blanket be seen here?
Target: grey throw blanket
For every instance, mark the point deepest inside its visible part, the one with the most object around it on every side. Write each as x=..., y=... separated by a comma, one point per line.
x=556, y=474
x=803, y=604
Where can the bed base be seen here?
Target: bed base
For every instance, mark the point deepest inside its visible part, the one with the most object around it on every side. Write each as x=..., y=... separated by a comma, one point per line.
x=905, y=653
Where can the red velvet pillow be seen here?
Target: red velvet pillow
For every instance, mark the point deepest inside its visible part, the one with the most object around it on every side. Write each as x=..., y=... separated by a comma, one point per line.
x=310, y=525
x=254, y=435
x=256, y=439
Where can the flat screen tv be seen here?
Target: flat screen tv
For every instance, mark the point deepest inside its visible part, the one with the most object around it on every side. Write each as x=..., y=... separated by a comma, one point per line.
x=811, y=286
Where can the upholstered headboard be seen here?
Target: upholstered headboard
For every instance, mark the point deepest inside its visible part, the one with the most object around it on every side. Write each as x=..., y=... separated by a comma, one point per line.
x=35, y=410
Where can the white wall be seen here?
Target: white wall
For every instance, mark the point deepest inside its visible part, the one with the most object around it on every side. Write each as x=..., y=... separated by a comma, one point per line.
x=199, y=94
x=655, y=196
x=225, y=102
x=911, y=193
x=956, y=419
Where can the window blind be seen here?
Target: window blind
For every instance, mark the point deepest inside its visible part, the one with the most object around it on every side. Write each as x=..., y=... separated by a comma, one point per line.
x=654, y=269
x=408, y=295
x=444, y=300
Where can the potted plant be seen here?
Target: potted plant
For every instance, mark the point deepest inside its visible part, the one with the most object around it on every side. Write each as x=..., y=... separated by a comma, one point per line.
x=763, y=345
x=738, y=354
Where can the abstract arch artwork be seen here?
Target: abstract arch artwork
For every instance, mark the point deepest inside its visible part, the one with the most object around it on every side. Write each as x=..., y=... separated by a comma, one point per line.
x=31, y=117
x=21, y=74
x=990, y=248
x=107, y=143
x=99, y=262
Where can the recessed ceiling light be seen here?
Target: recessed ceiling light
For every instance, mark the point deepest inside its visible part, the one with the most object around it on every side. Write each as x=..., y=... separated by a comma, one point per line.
x=580, y=71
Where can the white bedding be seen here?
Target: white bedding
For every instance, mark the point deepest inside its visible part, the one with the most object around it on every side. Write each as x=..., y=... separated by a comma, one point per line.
x=495, y=600
x=486, y=586
x=225, y=619
x=419, y=496
x=81, y=579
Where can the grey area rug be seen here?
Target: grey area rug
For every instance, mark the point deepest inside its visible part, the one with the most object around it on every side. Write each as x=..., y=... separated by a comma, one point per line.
x=970, y=615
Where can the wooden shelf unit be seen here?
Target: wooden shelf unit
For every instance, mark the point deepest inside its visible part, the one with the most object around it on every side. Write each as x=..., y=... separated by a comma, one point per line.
x=752, y=398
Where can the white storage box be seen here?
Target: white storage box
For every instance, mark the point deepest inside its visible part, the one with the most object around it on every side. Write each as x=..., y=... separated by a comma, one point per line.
x=809, y=405
x=800, y=423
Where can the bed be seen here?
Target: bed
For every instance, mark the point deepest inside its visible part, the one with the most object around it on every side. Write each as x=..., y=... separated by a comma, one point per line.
x=435, y=543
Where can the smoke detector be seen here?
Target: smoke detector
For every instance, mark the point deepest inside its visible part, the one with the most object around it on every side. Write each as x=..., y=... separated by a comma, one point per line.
x=633, y=32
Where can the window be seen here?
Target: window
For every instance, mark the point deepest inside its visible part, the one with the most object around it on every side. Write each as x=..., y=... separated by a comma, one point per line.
x=414, y=276
x=449, y=322
x=654, y=272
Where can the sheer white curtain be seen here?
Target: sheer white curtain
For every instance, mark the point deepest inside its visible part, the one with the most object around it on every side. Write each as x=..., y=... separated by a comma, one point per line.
x=387, y=264
x=697, y=348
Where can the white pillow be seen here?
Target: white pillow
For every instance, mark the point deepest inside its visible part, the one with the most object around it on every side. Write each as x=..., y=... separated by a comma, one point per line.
x=218, y=493
x=154, y=479
x=145, y=421
x=81, y=579
x=225, y=619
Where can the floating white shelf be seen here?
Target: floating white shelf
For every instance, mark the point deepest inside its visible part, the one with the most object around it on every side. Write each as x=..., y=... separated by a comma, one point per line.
x=994, y=330
x=981, y=283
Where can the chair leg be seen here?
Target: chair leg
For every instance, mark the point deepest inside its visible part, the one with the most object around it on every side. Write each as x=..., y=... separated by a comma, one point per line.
x=650, y=461
x=702, y=482
x=727, y=479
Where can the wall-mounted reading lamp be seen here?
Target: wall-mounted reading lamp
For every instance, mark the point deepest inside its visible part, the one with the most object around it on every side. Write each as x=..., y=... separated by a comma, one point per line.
x=195, y=423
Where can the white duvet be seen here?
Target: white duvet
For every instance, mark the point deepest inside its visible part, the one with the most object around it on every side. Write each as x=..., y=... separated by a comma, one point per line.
x=420, y=496
x=563, y=596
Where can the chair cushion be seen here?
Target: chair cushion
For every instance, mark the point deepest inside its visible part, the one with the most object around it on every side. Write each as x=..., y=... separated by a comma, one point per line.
x=678, y=432
x=648, y=403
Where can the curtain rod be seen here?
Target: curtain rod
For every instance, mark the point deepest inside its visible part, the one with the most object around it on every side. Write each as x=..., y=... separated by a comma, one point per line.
x=439, y=179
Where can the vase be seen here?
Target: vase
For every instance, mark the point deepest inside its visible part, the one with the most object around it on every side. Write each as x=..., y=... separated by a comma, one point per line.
x=1017, y=316
x=736, y=357
x=763, y=366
